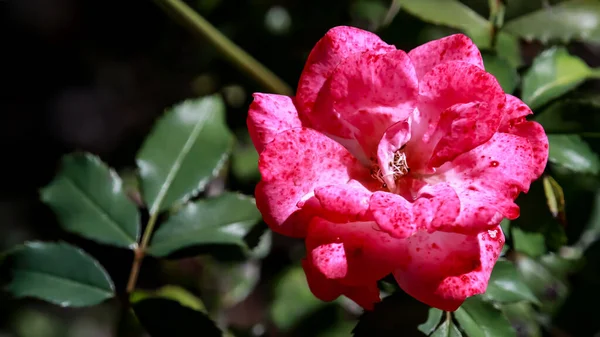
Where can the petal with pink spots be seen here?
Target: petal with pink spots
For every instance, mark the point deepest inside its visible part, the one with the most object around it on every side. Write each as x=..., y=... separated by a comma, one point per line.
x=270, y=115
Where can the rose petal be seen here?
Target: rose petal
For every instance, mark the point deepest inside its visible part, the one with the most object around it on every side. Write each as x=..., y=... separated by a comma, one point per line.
x=460, y=108
x=456, y=47
x=487, y=179
x=295, y=163
x=514, y=122
x=337, y=44
x=393, y=214
x=354, y=253
x=365, y=95
x=436, y=207
x=446, y=268
x=328, y=290
x=343, y=203
x=268, y=116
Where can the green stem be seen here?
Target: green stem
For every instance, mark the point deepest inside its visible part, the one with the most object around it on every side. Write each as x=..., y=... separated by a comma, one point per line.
x=198, y=25
x=140, y=252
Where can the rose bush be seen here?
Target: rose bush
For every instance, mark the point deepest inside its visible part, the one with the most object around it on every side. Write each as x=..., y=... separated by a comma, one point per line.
x=393, y=162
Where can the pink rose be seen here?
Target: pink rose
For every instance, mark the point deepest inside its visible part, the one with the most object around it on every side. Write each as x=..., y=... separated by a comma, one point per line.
x=388, y=162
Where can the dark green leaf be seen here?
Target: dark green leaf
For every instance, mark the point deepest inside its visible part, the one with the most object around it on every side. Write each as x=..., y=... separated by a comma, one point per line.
x=572, y=153
x=225, y=219
x=89, y=200
x=162, y=317
x=549, y=289
x=505, y=285
x=446, y=12
x=570, y=20
x=479, y=318
x=505, y=73
x=522, y=317
x=579, y=114
x=186, y=149
x=292, y=299
x=433, y=319
x=58, y=273
x=552, y=74
x=447, y=329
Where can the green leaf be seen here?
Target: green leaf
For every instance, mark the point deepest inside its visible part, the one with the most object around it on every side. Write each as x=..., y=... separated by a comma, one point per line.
x=549, y=289
x=570, y=20
x=501, y=69
x=523, y=318
x=58, y=273
x=292, y=299
x=447, y=329
x=244, y=160
x=433, y=319
x=162, y=317
x=186, y=149
x=508, y=47
x=572, y=153
x=530, y=243
x=225, y=219
x=552, y=74
x=171, y=292
x=505, y=286
x=446, y=12
x=479, y=318
x=89, y=200
x=229, y=282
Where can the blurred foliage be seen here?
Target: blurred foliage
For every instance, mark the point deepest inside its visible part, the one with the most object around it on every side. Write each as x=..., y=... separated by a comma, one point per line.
x=176, y=185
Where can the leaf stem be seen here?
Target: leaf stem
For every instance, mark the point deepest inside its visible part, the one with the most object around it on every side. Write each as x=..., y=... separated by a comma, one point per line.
x=139, y=253
x=200, y=26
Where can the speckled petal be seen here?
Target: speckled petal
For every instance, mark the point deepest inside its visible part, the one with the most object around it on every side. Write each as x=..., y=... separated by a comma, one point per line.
x=393, y=214
x=270, y=115
x=460, y=107
x=338, y=44
x=393, y=140
x=514, y=122
x=354, y=253
x=365, y=95
x=446, y=268
x=295, y=163
x=457, y=47
x=365, y=295
x=487, y=179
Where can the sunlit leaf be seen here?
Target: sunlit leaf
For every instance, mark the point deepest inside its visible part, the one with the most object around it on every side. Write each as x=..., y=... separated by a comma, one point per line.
x=505, y=285
x=225, y=219
x=185, y=150
x=446, y=12
x=433, y=319
x=570, y=20
x=171, y=292
x=572, y=153
x=555, y=197
x=89, y=200
x=479, y=318
x=552, y=74
x=58, y=273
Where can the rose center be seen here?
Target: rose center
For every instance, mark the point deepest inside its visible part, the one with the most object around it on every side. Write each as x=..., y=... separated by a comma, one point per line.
x=397, y=167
